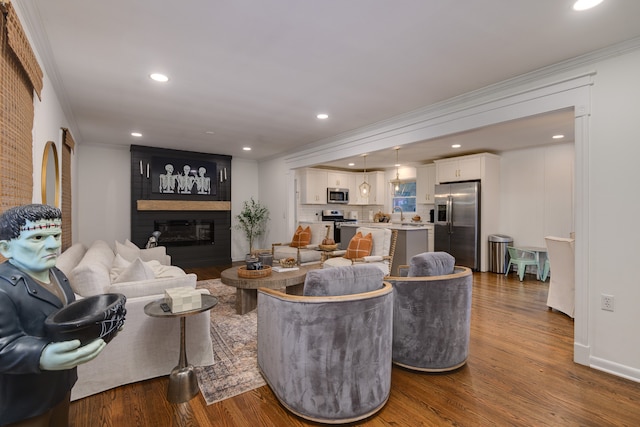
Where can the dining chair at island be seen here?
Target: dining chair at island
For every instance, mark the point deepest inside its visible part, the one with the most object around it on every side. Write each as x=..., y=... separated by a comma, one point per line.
x=561, y=253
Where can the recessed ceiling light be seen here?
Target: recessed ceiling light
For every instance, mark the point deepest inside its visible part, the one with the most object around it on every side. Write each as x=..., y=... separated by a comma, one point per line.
x=585, y=4
x=352, y=164
x=246, y=148
x=136, y=134
x=159, y=77
x=209, y=132
x=456, y=146
x=557, y=136
x=322, y=116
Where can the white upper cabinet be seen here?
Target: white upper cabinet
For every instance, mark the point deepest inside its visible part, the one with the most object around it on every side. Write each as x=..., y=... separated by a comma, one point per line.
x=378, y=188
x=425, y=183
x=464, y=168
x=313, y=186
x=338, y=179
x=376, y=194
x=458, y=169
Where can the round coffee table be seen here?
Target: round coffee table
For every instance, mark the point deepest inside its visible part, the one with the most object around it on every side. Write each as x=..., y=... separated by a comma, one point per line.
x=247, y=289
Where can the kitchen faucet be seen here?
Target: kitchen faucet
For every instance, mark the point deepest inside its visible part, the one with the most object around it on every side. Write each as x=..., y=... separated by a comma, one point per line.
x=401, y=214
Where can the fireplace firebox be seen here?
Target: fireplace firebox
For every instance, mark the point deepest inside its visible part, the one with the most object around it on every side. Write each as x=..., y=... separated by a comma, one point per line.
x=183, y=232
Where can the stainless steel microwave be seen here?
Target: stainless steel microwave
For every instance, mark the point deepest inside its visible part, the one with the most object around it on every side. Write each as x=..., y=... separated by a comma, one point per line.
x=338, y=195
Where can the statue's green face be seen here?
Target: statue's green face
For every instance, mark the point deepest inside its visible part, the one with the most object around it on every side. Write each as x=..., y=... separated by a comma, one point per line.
x=36, y=249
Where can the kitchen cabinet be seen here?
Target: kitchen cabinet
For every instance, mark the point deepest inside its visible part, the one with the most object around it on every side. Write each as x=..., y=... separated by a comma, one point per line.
x=378, y=187
x=338, y=179
x=465, y=168
x=425, y=183
x=313, y=186
x=376, y=195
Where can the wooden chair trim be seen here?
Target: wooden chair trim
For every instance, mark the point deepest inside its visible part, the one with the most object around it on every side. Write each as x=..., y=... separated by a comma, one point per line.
x=461, y=272
x=386, y=288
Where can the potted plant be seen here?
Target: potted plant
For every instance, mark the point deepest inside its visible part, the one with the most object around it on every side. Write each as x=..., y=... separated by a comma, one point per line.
x=252, y=220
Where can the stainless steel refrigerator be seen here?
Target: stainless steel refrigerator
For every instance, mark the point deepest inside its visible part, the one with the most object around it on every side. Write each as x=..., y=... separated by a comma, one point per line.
x=457, y=222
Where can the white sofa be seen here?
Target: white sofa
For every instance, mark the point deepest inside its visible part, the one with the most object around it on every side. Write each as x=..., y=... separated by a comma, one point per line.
x=147, y=347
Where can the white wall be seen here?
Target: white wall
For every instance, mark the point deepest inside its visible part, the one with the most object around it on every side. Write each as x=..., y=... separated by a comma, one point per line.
x=104, y=187
x=536, y=193
x=614, y=210
x=244, y=186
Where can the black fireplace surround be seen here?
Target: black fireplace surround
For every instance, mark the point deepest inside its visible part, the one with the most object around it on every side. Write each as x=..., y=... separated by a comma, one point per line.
x=194, y=237
x=185, y=232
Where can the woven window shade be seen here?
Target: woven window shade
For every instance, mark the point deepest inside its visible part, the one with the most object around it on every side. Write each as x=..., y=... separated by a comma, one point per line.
x=16, y=112
x=19, y=43
x=67, y=219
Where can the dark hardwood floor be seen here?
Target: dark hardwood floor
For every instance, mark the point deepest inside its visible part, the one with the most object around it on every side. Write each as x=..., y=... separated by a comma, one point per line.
x=520, y=372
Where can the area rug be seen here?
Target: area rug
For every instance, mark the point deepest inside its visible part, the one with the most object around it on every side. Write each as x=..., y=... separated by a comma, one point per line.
x=235, y=369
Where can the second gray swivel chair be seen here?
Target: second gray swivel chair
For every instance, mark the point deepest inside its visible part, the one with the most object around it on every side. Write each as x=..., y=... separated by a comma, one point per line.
x=432, y=314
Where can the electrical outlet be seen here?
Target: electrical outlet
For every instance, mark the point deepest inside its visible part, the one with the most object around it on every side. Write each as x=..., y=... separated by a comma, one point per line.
x=607, y=302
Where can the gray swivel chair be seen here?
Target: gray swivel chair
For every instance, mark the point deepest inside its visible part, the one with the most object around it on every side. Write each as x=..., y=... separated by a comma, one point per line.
x=327, y=354
x=432, y=313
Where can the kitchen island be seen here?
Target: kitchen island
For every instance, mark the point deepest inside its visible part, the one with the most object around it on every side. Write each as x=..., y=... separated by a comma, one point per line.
x=413, y=239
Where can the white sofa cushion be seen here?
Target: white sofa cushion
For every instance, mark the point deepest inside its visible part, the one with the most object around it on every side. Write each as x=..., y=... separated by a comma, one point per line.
x=68, y=259
x=92, y=275
x=135, y=271
x=156, y=286
x=130, y=252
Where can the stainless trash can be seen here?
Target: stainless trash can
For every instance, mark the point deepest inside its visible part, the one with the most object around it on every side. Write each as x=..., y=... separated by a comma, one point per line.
x=498, y=254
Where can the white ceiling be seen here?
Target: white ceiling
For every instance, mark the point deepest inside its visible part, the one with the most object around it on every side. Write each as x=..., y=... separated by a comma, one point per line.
x=255, y=72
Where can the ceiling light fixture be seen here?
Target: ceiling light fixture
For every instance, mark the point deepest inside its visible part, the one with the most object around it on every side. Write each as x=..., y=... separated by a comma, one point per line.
x=246, y=148
x=581, y=5
x=395, y=183
x=159, y=77
x=136, y=134
x=352, y=164
x=456, y=146
x=364, y=187
x=557, y=136
x=322, y=116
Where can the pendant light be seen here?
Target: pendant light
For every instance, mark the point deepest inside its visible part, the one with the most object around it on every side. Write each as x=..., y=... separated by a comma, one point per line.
x=395, y=183
x=365, y=188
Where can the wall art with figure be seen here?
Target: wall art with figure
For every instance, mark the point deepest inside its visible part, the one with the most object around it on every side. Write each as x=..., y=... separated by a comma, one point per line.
x=183, y=176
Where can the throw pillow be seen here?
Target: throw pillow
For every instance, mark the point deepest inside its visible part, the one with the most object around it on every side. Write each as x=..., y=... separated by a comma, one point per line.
x=127, y=252
x=129, y=243
x=136, y=271
x=301, y=238
x=359, y=246
x=118, y=266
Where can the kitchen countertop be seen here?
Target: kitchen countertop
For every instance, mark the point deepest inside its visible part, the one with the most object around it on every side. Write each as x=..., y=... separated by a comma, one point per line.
x=391, y=225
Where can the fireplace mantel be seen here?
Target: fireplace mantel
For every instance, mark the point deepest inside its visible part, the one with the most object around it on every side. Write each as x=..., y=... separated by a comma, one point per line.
x=183, y=205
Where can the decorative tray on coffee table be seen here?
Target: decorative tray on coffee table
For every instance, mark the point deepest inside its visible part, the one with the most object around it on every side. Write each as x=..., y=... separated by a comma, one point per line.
x=254, y=274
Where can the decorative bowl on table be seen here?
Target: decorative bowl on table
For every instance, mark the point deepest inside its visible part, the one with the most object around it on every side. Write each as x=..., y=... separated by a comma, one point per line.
x=98, y=316
x=245, y=273
x=288, y=262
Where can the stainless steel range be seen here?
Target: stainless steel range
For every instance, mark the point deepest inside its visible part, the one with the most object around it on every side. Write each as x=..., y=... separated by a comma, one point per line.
x=337, y=216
